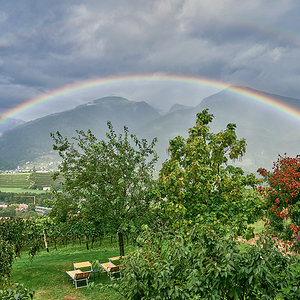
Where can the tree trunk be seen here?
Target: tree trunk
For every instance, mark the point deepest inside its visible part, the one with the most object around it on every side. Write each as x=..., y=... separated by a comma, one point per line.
x=45, y=240
x=121, y=243
x=86, y=242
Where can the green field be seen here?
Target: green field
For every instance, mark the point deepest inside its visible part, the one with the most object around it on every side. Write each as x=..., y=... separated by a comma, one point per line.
x=24, y=181
x=20, y=191
x=46, y=274
x=18, y=180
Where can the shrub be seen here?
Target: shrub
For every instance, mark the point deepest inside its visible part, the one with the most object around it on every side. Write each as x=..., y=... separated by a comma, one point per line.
x=16, y=292
x=198, y=264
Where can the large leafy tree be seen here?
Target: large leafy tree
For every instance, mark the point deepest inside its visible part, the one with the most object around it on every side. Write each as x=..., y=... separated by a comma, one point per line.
x=283, y=195
x=106, y=182
x=198, y=181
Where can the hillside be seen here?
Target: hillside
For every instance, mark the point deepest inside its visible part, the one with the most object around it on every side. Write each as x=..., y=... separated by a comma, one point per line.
x=33, y=180
x=34, y=136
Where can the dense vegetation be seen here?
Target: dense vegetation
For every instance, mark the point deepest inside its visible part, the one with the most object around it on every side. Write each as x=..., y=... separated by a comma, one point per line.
x=196, y=263
x=196, y=255
x=185, y=224
x=26, y=198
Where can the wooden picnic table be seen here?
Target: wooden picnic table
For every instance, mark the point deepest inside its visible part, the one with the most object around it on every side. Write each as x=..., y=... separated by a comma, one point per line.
x=116, y=258
x=85, y=264
x=107, y=266
x=79, y=276
x=110, y=269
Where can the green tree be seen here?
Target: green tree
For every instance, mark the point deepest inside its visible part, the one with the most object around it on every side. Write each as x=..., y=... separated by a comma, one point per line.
x=106, y=182
x=16, y=234
x=198, y=182
x=9, y=211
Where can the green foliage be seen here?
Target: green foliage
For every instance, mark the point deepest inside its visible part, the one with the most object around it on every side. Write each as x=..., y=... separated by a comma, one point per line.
x=15, y=235
x=12, y=198
x=9, y=211
x=200, y=264
x=208, y=202
x=106, y=183
x=198, y=181
x=16, y=292
x=7, y=256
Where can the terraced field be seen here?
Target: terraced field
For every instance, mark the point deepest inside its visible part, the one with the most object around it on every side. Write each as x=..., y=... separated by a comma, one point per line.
x=33, y=180
x=18, y=180
x=39, y=180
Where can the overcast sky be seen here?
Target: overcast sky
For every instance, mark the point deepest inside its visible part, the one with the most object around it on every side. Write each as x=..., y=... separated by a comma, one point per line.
x=45, y=45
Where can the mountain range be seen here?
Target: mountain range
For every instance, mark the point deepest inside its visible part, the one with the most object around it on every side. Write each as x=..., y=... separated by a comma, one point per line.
x=268, y=132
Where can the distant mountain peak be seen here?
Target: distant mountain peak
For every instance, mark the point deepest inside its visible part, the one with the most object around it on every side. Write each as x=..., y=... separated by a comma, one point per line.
x=177, y=106
x=110, y=99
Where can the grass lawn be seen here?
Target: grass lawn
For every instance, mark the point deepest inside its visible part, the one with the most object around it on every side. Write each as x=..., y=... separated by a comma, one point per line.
x=20, y=190
x=46, y=274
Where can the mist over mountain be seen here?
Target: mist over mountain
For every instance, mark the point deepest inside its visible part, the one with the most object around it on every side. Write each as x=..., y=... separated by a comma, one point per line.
x=9, y=124
x=268, y=132
x=176, y=107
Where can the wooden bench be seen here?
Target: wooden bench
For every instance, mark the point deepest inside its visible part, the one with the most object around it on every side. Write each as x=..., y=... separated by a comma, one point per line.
x=78, y=275
x=110, y=269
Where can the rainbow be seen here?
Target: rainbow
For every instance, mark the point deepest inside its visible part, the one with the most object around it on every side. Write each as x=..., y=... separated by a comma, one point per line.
x=98, y=82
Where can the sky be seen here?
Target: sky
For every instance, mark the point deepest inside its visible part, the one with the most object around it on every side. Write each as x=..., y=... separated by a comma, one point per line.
x=46, y=45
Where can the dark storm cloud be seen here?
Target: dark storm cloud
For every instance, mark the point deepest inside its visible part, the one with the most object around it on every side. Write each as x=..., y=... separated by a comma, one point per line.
x=45, y=45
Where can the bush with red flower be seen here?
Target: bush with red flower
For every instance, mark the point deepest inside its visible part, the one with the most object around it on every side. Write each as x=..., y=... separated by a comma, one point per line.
x=283, y=195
